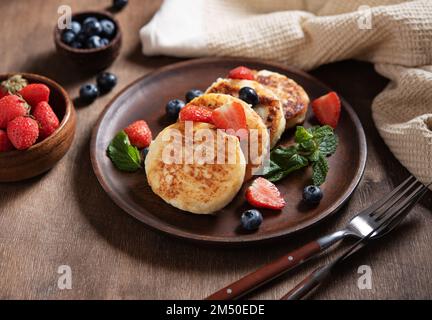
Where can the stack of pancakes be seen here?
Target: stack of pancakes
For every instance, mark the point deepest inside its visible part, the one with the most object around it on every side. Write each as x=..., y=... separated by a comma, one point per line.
x=205, y=188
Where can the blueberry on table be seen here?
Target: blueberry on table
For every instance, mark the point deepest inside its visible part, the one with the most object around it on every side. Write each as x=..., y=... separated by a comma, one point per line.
x=68, y=37
x=173, y=108
x=88, y=93
x=251, y=219
x=192, y=94
x=119, y=4
x=94, y=42
x=92, y=28
x=106, y=81
x=249, y=95
x=75, y=27
x=312, y=195
x=108, y=28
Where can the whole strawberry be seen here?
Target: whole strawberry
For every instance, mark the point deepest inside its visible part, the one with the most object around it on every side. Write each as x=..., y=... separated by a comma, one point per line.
x=23, y=132
x=35, y=93
x=139, y=134
x=47, y=119
x=5, y=144
x=10, y=108
x=12, y=85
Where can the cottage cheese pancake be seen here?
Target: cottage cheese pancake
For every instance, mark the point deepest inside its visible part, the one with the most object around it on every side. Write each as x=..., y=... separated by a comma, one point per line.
x=295, y=100
x=269, y=107
x=200, y=187
x=254, y=159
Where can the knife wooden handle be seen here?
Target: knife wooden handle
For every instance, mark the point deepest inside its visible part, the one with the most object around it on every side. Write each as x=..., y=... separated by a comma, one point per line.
x=266, y=273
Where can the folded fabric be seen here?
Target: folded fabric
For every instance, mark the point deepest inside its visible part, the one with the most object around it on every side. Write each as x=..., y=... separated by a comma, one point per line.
x=394, y=35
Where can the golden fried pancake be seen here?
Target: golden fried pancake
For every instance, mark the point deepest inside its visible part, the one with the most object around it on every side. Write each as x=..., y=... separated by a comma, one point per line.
x=269, y=108
x=254, y=158
x=189, y=182
x=294, y=99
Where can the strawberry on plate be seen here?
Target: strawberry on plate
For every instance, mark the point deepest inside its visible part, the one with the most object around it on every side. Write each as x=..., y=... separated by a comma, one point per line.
x=11, y=107
x=5, y=144
x=47, y=119
x=139, y=134
x=327, y=109
x=264, y=194
x=230, y=116
x=35, y=93
x=195, y=113
x=23, y=132
x=241, y=73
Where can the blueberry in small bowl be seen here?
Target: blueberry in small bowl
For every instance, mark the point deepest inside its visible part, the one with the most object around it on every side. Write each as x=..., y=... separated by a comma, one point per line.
x=92, y=40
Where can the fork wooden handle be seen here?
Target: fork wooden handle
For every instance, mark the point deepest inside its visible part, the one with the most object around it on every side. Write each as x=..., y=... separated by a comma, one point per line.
x=266, y=273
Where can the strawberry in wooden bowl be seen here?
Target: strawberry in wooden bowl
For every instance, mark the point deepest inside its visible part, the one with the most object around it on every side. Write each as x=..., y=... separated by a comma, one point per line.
x=37, y=125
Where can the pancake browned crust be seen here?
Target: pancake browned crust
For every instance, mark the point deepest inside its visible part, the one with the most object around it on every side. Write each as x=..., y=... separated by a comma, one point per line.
x=200, y=188
x=253, y=121
x=269, y=109
x=294, y=99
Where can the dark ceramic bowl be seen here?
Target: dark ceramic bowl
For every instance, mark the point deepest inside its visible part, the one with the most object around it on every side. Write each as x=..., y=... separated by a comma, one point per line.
x=91, y=59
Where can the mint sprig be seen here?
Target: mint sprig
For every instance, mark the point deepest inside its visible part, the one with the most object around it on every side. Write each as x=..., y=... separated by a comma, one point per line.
x=124, y=156
x=312, y=147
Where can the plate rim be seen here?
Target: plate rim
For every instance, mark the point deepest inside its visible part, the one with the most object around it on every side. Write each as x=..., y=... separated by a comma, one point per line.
x=176, y=233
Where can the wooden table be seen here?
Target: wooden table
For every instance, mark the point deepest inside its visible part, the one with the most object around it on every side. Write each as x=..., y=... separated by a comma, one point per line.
x=64, y=217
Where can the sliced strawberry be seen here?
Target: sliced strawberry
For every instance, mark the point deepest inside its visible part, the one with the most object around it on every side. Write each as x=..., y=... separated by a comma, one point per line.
x=35, y=93
x=230, y=116
x=264, y=194
x=195, y=113
x=327, y=109
x=241, y=73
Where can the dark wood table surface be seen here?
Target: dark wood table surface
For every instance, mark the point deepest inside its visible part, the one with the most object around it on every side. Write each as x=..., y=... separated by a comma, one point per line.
x=64, y=217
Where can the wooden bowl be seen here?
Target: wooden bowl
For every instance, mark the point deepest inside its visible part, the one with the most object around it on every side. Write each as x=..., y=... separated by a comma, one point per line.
x=20, y=165
x=91, y=59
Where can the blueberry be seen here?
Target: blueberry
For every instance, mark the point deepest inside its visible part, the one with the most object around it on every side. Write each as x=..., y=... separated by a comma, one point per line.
x=94, y=42
x=81, y=37
x=312, y=194
x=251, y=219
x=106, y=81
x=119, y=4
x=192, y=94
x=144, y=153
x=88, y=19
x=75, y=27
x=173, y=108
x=108, y=28
x=89, y=93
x=92, y=27
x=249, y=95
x=104, y=42
x=76, y=45
x=68, y=37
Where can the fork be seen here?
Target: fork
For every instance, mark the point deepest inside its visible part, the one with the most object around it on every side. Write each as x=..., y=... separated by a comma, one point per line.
x=389, y=218
x=359, y=227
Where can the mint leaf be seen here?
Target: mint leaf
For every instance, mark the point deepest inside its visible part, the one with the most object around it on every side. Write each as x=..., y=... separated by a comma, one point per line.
x=320, y=169
x=329, y=144
x=302, y=135
x=311, y=147
x=124, y=156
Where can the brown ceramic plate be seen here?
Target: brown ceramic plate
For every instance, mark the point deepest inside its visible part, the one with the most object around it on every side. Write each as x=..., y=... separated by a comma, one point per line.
x=146, y=99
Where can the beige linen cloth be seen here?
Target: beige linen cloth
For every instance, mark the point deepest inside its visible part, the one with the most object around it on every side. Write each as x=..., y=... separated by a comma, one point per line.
x=394, y=35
